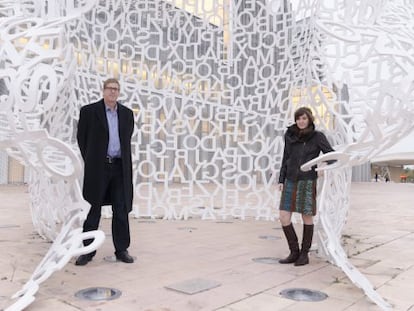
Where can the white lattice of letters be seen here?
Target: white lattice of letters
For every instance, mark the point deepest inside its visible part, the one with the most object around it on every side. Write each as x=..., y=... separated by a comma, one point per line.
x=213, y=85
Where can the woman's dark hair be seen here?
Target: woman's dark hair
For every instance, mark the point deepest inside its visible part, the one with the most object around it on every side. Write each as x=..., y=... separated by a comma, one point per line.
x=304, y=110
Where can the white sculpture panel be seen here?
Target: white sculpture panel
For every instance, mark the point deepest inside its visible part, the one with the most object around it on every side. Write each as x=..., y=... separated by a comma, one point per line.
x=213, y=85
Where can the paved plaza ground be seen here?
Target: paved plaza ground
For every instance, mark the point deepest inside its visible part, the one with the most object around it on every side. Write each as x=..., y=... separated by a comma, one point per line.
x=378, y=236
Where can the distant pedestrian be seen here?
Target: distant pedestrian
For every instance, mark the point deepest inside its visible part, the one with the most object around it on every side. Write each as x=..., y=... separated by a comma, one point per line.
x=376, y=177
x=302, y=144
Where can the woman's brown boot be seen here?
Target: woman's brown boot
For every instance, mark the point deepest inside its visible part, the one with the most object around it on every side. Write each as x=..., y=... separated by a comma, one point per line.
x=292, y=240
x=303, y=258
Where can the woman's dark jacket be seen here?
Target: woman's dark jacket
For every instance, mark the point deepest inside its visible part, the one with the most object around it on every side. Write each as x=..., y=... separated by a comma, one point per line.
x=301, y=147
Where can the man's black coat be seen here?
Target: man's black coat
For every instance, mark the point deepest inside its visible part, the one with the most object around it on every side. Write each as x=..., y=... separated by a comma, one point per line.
x=93, y=138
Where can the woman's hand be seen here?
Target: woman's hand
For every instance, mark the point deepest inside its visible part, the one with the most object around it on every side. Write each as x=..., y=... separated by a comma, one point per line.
x=280, y=187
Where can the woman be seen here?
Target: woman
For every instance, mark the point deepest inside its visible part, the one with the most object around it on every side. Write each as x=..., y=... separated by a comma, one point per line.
x=302, y=144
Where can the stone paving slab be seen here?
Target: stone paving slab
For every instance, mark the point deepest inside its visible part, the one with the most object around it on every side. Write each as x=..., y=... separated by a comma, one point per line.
x=193, y=286
x=379, y=237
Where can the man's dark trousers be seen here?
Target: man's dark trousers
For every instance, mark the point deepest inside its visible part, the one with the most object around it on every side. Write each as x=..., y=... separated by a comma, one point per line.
x=120, y=224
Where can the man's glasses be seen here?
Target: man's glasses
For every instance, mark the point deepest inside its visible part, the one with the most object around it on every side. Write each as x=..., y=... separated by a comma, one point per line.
x=115, y=89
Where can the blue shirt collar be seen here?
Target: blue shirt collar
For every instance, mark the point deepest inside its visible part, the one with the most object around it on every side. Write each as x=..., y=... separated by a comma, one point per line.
x=107, y=108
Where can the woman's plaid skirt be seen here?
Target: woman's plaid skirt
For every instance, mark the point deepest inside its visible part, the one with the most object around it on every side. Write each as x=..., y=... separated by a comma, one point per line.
x=299, y=196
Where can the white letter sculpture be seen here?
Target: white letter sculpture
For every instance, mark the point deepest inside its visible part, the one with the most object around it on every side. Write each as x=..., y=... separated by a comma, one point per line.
x=213, y=85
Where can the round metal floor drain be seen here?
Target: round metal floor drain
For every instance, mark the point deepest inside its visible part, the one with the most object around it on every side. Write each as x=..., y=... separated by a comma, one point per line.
x=9, y=226
x=269, y=237
x=267, y=260
x=147, y=221
x=303, y=294
x=113, y=258
x=187, y=228
x=98, y=293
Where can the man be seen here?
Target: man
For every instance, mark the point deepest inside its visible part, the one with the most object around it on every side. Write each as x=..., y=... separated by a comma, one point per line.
x=104, y=138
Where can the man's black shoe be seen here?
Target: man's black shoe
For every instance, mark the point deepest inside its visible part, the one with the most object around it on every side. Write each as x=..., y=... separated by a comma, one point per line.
x=83, y=260
x=124, y=257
